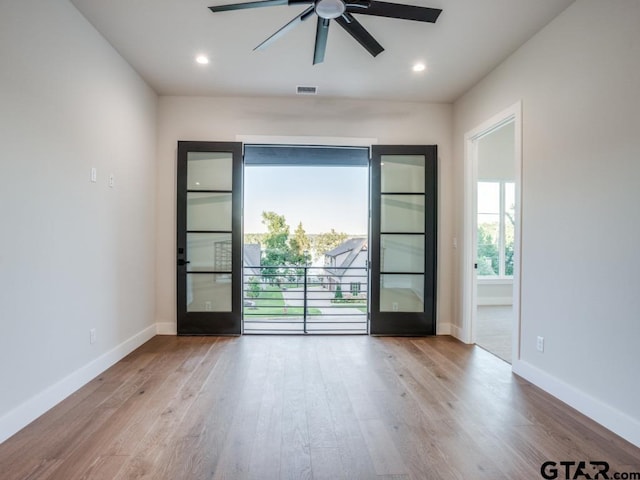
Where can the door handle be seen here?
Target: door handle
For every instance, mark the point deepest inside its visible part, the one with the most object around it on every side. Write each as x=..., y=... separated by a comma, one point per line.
x=182, y=262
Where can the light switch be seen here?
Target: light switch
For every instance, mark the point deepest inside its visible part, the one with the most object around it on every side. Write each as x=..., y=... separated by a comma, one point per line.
x=94, y=175
x=112, y=180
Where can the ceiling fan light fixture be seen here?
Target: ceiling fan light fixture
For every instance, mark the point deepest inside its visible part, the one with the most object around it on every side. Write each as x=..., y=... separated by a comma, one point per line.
x=341, y=11
x=330, y=8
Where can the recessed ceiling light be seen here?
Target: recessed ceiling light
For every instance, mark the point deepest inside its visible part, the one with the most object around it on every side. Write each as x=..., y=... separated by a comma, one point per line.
x=202, y=60
x=419, y=67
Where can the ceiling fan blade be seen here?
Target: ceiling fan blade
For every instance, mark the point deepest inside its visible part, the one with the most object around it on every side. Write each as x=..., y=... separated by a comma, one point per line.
x=357, y=31
x=289, y=26
x=261, y=3
x=357, y=4
x=322, y=34
x=396, y=10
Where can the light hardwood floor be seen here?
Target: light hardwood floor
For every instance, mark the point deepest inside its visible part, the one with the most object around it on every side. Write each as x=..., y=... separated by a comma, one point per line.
x=294, y=407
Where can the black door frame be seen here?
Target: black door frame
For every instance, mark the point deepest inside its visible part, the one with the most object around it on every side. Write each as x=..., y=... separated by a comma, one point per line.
x=404, y=323
x=209, y=323
x=380, y=323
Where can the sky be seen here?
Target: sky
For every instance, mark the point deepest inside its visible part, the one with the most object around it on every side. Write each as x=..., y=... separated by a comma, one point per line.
x=321, y=198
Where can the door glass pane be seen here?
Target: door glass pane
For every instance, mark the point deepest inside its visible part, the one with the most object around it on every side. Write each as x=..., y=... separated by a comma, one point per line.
x=209, y=170
x=402, y=213
x=401, y=293
x=209, y=211
x=208, y=293
x=402, y=173
x=209, y=252
x=402, y=253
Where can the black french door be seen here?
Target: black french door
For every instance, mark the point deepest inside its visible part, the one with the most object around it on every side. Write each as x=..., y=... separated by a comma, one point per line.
x=403, y=193
x=209, y=238
x=403, y=196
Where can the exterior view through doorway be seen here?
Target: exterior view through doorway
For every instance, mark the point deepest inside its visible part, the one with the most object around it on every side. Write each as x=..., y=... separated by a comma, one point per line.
x=264, y=267
x=305, y=251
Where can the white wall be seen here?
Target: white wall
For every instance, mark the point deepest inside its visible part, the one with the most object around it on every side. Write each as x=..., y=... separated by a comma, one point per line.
x=196, y=118
x=496, y=160
x=579, y=82
x=74, y=255
x=495, y=292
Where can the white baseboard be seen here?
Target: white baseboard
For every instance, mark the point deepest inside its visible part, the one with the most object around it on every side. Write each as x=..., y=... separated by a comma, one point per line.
x=166, y=328
x=457, y=332
x=618, y=422
x=443, y=328
x=25, y=413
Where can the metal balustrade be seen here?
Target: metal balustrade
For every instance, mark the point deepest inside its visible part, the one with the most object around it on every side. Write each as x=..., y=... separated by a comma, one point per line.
x=305, y=300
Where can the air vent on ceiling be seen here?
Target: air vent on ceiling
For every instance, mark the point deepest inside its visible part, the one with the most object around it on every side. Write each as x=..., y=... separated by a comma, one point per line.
x=305, y=90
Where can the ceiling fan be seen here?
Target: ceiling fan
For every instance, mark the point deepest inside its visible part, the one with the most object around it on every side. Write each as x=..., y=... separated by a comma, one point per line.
x=341, y=12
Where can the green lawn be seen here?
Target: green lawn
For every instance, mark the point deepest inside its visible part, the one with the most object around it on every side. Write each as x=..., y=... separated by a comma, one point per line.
x=271, y=302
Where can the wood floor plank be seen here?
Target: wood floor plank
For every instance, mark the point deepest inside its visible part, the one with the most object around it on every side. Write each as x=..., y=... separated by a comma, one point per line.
x=326, y=464
x=202, y=435
x=234, y=461
x=145, y=456
x=319, y=422
x=352, y=448
x=267, y=446
x=350, y=441
x=386, y=458
x=316, y=407
x=295, y=454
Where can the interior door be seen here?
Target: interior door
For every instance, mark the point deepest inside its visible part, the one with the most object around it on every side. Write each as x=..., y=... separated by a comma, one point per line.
x=209, y=238
x=403, y=190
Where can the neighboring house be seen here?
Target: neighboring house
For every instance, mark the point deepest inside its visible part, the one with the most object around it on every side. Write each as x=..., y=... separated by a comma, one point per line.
x=251, y=259
x=346, y=265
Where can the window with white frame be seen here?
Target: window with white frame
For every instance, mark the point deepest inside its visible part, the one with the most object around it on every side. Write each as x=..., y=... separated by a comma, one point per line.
x=496, y=222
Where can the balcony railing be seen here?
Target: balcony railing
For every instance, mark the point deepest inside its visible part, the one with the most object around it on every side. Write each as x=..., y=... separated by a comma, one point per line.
x=305, y=300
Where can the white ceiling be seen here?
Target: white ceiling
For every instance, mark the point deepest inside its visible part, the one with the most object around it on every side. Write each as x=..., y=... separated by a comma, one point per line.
x=161, y=38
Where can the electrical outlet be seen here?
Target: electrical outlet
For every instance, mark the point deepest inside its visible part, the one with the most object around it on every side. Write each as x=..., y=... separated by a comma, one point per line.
x=112, y=180
x=540, y=344
x=394, y=306
x=92, y=335
x=207, y=306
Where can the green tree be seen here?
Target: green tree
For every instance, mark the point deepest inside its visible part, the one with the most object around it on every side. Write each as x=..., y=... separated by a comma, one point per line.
x=277, y=231
x=254, y=238
x=338, y=294
x=325, y=242
x=276, y=248
x=254, y=288
x=488, y=256
x=509, y=241
x=299, y=246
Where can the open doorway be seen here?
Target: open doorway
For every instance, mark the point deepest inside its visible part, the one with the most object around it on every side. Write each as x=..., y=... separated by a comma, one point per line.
x=305, y=241
x=495, y=227
x=492, y=212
